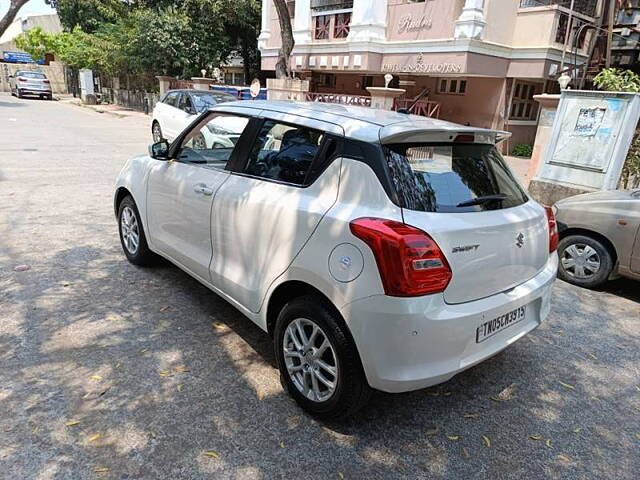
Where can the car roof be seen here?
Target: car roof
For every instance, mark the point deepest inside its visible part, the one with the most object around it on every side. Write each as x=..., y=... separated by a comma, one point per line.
x=365, y=123
x=195, y=90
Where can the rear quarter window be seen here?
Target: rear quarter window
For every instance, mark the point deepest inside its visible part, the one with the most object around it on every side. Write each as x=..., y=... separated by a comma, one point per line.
x=452, y=177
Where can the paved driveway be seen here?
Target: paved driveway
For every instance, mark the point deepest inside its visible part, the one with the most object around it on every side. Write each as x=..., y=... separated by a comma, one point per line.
x=112, y=371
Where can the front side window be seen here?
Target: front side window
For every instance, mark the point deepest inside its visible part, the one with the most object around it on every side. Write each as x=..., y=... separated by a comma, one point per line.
x=171, y=99
x=283, y=153
x=452, y=177
x=213, y=140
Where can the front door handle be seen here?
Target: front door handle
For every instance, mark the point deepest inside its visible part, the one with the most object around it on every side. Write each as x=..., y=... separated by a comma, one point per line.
x=203, y=189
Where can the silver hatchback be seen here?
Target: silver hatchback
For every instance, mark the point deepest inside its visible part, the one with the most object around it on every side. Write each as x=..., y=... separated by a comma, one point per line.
x=600, y=237
x=26, y=82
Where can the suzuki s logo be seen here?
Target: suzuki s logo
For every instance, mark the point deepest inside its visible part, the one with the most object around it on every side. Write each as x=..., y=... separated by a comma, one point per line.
x=520, y=240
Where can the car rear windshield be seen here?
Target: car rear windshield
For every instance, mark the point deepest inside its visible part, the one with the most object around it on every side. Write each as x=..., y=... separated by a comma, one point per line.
x=452, y=177
x=32, y=75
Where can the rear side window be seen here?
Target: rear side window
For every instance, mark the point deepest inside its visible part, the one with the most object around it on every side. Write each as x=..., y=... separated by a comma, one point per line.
x=454, y=177
x=283, y=153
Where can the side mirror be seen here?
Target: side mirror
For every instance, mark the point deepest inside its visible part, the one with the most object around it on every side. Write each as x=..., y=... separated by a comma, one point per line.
x=159, y=150
x=190, y=110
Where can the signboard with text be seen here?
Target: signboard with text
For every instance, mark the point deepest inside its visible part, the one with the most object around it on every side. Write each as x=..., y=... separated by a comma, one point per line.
x=19, y=57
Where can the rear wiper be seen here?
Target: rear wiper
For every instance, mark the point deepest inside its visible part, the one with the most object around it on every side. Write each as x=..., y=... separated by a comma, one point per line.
x=481, y=200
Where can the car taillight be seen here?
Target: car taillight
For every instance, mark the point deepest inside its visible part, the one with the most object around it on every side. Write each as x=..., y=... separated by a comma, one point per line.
x=409, y=261
x=554, y=236
x=20, y=79
x=46, y=81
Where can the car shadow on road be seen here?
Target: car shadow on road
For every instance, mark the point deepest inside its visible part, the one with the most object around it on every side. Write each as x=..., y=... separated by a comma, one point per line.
x=163, y=370
x=624, y=287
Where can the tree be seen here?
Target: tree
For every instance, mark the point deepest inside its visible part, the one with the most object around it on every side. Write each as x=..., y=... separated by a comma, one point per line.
x=9, y=17
x=617, y=80
x=283, y=65
x=89, y=14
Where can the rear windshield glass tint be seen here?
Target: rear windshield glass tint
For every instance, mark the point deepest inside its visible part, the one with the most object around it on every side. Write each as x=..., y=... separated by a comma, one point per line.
x=32, y=75
x=452, y=177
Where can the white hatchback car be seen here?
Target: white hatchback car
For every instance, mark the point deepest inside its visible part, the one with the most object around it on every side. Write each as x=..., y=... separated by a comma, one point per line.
x=178, y=108
x=380, y=250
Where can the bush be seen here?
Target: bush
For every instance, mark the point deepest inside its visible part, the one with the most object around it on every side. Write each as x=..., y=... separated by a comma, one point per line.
x=522, y=150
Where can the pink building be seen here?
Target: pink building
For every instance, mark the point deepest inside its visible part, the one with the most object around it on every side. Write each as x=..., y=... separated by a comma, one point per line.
x=481, y=60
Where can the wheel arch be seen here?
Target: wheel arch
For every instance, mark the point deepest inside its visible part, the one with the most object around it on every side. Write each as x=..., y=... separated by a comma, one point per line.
x=592, y=234
x=121, y=193
x=289, y=290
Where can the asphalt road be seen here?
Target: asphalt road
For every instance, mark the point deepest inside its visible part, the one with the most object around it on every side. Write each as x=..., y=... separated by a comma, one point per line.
x=156, y=370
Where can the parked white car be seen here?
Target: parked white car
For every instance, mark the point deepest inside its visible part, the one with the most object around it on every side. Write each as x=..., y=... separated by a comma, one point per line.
x=177, y=109
x=379, y=250
x=27, y=82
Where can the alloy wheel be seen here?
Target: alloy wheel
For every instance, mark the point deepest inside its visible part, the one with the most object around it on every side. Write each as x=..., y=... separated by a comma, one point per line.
x=580, y=261
x=129, y=229
x=310, y=359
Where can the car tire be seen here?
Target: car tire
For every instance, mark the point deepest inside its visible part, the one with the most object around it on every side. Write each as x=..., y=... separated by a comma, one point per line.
x=584, y=261
x=350, y=388
x=156, y=132
x=132, y=237
x=19, y=94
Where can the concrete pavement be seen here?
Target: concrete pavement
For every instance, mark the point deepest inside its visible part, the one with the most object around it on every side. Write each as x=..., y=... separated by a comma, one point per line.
x=113, y=371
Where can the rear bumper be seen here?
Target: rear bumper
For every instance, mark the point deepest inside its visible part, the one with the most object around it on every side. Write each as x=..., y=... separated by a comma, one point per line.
x=32, y=91
x=411, y=343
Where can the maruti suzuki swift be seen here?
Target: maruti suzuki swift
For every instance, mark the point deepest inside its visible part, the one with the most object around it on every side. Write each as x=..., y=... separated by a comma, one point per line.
x=379, y=250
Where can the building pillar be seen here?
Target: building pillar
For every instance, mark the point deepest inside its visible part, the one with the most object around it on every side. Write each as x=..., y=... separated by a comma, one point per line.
x=265, y=28
x=164, y=81
x=471, y=22
x=302, y=22
x=368, y=21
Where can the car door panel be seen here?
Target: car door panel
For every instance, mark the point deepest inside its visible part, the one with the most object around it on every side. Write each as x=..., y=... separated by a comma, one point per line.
x=179, y=200
x=258, y=228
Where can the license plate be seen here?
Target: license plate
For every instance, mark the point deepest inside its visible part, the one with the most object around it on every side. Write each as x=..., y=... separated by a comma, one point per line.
x=34, y=86
x=490, y=328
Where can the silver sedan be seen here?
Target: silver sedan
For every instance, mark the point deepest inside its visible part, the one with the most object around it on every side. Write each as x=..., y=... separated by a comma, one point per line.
x=600, y=237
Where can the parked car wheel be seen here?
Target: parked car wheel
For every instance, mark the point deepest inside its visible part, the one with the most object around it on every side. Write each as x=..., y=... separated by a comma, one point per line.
x=319, y=364
x=19, y=94
x=584, y=261
x=156, y=132
x=132, y=237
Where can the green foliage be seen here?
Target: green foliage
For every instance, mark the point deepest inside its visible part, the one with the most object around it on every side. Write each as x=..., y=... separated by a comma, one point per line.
x=617, y=80
x=152, y=37
x=37, y=43
x=631, y=171
x=522, y=150
x=89, y=15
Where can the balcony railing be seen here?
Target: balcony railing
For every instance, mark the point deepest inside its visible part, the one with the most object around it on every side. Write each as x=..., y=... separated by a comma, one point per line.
x=341, y=98
x=424, y=108
x=586, y=7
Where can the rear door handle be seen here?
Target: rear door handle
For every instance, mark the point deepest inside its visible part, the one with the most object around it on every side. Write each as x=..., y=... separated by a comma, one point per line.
x=203, y=189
